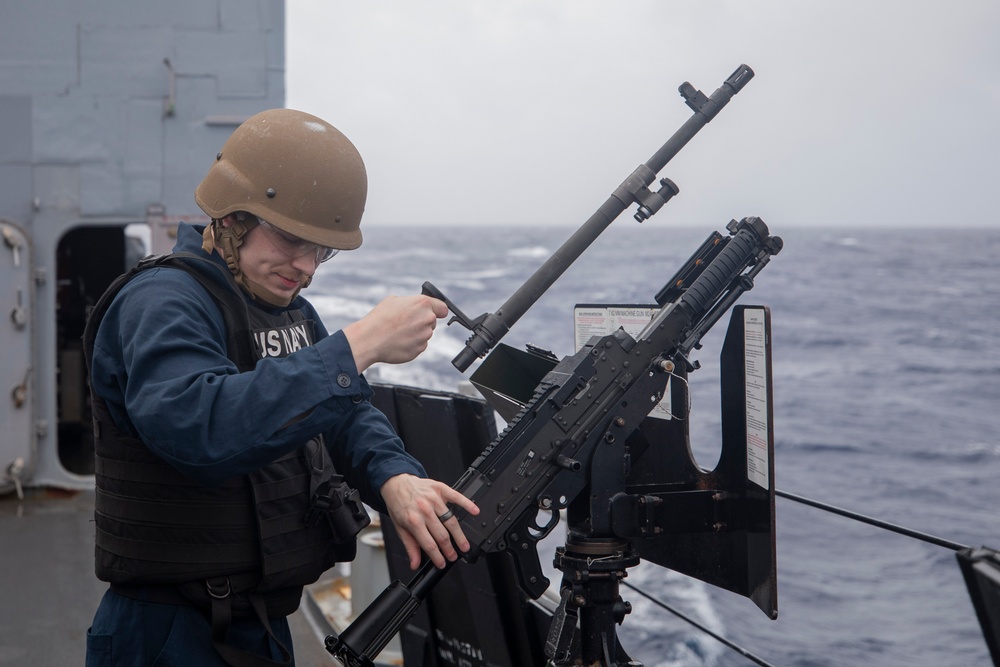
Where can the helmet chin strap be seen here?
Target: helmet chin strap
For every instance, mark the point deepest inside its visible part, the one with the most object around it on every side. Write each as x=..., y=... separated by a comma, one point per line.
x=227, y=241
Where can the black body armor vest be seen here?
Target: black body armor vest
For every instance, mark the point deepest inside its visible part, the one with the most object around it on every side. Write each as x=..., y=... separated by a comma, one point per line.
x=268, y=533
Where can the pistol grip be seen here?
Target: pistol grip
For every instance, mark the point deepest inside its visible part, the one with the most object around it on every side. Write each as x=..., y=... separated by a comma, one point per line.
x=529, y=570
x=522, y=544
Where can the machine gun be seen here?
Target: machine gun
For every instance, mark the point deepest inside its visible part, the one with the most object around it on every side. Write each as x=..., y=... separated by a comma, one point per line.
x=573, y=430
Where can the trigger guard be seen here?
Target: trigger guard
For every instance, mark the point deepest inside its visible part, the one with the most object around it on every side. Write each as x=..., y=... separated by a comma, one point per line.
x=547, y=528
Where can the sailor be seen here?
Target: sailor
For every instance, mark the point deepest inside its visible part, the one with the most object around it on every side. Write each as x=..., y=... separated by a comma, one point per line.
x=235, y=437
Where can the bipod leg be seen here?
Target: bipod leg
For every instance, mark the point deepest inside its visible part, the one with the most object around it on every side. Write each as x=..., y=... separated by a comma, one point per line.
x=592, y=569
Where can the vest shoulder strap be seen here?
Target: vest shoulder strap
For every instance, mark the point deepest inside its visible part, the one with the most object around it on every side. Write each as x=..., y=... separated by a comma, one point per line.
x=228, y=298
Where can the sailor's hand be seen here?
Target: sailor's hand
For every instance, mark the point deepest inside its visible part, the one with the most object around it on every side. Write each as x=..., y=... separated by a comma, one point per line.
x=416, y=507
x=396, y=330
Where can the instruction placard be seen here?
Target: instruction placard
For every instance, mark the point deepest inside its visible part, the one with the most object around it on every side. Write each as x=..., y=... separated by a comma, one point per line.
x=591, y=320
x=755, y=368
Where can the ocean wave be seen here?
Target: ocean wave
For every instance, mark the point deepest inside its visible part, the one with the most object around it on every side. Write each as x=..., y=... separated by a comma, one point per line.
x=413, y=253
x=960, y=453
x=824, y=447
x=479, y=274
x=338, y=308
x=530, y=252
x=657, y=636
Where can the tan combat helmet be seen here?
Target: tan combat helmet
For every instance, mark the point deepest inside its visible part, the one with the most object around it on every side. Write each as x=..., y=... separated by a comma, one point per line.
x=294, y=170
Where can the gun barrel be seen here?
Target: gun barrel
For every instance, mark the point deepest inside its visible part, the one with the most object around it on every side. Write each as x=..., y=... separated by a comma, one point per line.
x=634, y=189
x=371, y=631
x=705, y=110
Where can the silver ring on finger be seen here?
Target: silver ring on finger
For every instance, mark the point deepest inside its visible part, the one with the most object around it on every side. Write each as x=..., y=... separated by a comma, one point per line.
x=447, y=515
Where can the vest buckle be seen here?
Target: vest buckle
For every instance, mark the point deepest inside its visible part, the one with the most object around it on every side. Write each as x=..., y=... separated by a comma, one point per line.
x=219, y=583
x=321, y=503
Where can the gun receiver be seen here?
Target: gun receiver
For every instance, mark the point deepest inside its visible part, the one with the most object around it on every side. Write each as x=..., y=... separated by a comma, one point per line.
x=544, y=457
x=489, y=328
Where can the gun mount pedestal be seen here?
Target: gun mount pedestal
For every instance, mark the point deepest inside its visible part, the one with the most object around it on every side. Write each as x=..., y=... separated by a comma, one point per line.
x=583, y=627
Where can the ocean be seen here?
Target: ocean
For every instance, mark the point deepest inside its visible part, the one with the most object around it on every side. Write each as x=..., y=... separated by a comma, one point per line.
x=886, y=380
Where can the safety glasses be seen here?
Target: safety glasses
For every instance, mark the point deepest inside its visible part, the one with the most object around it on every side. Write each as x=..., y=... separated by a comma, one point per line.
x=292, y=246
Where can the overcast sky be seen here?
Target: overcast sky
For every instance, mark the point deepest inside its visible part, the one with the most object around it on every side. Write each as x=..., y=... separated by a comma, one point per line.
x=862, y=112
